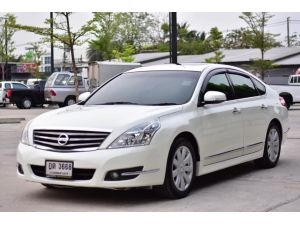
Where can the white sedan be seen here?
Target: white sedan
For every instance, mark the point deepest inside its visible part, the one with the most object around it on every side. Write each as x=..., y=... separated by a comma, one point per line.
x=158, y=126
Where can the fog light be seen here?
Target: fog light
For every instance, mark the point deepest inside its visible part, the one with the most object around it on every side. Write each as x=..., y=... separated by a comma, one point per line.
x=114, y=175
x=20, y=169
x=118, y=175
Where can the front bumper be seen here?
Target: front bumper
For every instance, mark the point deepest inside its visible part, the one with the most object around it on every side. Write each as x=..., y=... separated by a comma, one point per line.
x=102, y=161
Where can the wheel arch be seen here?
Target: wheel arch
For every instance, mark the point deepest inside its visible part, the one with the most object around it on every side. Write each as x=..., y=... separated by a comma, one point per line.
x=189, y=136
x=282, y=94
x=277, y=122
x=70, y=96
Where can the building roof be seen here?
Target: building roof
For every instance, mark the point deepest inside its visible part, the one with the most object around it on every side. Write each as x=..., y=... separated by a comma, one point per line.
x=149, y=57
x=285, y=55
x=293, y=60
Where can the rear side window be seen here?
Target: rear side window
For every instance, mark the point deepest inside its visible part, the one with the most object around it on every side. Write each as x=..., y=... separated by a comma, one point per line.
x=7, y=86
x=260, y=87
x=0, y=85
x=61, y=79
x=219, y=83
x=19, y=86
x=243, y=86
x=71, y=82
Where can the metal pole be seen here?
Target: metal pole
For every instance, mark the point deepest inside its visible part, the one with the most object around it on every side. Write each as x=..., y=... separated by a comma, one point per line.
x=173, y=37
x=52, y=47
x=288, y=31
x=170, y=35
x=6, y=49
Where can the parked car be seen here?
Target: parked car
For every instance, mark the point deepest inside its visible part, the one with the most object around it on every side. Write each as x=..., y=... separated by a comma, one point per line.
x=158, y=126
x=60, y=88
x=25, y=97
x=8, y=85
x=291, y=91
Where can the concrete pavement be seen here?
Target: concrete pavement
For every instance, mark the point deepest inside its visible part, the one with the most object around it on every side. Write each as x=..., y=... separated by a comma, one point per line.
x=240, y=188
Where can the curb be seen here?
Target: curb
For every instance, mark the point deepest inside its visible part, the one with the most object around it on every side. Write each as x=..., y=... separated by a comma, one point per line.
x=11, y=120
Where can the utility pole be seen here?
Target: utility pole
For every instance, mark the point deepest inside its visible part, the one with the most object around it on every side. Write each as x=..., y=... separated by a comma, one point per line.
x=288, y=31
x=52, y=47
x=173, y=37
x=6, y=49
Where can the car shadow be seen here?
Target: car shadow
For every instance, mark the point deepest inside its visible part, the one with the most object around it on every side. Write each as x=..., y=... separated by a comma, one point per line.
x=134, y=197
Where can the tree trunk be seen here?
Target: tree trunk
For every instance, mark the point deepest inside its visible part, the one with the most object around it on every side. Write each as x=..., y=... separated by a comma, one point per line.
x=71, y=41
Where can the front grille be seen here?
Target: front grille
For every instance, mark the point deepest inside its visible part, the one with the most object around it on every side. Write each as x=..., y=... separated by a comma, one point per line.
x=78, y=174
x=68, y=140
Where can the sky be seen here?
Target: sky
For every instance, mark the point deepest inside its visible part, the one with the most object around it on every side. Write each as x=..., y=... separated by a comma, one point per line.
x=201, y=21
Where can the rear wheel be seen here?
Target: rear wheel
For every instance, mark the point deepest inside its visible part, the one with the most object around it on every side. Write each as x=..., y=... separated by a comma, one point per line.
x=71, y=100
x=272, y=147
x=180, y=171
x=26, y=103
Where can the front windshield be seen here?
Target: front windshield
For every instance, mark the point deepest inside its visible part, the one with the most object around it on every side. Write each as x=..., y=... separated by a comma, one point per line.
x=148, y=88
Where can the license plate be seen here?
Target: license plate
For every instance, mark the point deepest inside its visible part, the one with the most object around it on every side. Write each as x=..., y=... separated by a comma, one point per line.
x=59, y=169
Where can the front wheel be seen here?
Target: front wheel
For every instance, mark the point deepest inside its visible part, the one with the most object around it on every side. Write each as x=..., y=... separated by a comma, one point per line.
x=272, y=148
x=180, y=171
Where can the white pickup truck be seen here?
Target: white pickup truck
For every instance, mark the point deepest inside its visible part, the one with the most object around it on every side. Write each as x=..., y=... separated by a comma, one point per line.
x=291, y=91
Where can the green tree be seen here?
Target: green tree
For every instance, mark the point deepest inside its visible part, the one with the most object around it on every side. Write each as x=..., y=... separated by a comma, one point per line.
x=126, y=54
x=113, y=31
x=189, y=41
x=34, y=55
x=214, y=43
x=262, y=40
x=239, y=38
x=106, y=31
x=217, y=58
x=63, y=34
x=138, y=29
x=294, y=40
x=7, y=45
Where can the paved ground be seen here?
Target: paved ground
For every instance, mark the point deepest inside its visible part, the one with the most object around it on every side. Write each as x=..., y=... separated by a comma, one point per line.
x=240, y=188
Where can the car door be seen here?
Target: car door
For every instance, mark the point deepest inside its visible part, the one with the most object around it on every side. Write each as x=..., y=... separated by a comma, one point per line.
x=220, y=125
x=254, y=111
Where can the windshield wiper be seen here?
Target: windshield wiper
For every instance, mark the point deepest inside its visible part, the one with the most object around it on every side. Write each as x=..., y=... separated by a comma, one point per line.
x=118, y=103
x=165, y=103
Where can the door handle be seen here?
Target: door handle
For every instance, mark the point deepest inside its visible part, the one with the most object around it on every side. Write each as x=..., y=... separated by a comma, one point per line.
x=263, y=106
x=236, y=110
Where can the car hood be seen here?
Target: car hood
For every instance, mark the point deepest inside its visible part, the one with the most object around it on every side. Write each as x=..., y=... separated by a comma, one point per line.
x=100, y=117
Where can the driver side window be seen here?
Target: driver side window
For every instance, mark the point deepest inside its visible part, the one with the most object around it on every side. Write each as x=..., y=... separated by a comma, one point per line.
x=219, y=83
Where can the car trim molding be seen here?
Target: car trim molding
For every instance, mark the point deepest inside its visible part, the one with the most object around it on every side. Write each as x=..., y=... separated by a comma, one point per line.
x=235, y=153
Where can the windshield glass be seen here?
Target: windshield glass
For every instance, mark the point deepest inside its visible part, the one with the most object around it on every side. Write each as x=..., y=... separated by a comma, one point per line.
x=148, y=88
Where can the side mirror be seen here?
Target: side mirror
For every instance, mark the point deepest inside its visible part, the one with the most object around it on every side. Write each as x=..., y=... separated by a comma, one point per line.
x=213, y=97
x=84, y=96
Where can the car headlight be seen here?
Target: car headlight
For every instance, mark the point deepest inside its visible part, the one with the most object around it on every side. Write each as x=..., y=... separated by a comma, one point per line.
x=25, y=135
x=137, y=136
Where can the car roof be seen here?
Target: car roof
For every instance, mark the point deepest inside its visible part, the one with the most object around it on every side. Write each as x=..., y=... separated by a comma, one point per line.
x=183, y=67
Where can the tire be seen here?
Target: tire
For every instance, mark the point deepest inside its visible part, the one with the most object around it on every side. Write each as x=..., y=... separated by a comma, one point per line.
x=26, y=103
x=179, y=186
x=272, y=148
x=71, y=100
